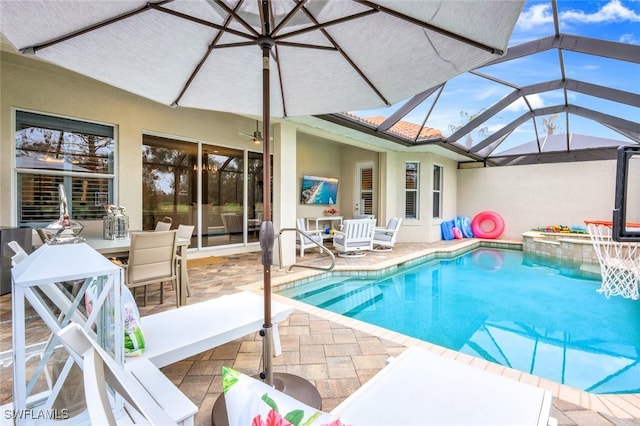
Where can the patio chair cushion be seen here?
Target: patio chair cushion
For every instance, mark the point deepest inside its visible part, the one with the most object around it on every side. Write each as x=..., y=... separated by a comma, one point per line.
x=387, y=236
x=351, y=243
x=383, y=236
x=393, y=224
x=250, y=401
x=133, y=337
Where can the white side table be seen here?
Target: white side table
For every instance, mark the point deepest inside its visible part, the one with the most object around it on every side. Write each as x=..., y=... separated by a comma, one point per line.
x=320, y=220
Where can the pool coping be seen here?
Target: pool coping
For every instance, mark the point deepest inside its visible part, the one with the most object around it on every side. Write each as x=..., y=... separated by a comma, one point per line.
x=624, y=406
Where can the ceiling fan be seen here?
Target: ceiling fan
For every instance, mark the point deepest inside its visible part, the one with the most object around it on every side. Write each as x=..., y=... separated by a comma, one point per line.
x=256, y=137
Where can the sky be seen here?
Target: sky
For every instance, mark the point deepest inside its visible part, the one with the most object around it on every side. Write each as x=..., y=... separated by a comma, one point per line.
x=612, y=20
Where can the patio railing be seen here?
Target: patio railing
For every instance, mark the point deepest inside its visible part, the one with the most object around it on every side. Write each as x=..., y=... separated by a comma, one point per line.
x=322, y=248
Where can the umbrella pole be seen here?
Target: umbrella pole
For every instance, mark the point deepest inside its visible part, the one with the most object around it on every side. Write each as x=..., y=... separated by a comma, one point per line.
x=266, y=228
x=290, y=384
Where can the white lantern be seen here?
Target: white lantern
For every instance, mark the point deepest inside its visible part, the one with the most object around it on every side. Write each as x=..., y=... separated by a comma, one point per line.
x=61, y=283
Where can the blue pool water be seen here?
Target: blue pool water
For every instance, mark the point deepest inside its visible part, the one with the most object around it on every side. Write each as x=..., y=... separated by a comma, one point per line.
x=545, y=320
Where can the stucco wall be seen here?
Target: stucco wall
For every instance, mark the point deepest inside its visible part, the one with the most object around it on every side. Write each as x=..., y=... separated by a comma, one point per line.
x=349, y=158
x=539, y=195
x=425, y=228
x=317, y=157
x=320, y=157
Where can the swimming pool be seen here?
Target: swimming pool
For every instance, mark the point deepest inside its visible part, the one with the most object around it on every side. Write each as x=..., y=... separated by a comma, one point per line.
x=543, y=319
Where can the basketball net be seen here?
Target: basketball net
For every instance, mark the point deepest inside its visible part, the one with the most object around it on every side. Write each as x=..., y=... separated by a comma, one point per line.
x=619, y=262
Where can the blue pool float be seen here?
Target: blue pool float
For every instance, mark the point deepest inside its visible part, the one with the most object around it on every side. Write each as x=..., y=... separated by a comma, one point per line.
x=446, y=228
x=464, y=225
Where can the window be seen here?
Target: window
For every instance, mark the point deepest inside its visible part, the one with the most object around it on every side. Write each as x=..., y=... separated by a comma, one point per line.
x=365, y=174
x=411, y=190
x=168, y=183
x=437, y=192
x=51, y=151
x=230, y=189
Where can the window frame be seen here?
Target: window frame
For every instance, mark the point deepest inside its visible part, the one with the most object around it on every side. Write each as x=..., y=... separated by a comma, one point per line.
x=415, y=190
x=65, y=124
x=437, y=191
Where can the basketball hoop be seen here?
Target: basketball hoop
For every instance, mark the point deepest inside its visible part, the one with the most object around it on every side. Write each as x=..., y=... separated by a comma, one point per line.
x=619, y=262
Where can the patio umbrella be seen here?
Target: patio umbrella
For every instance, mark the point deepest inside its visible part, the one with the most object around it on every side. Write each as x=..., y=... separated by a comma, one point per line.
x=265, y=57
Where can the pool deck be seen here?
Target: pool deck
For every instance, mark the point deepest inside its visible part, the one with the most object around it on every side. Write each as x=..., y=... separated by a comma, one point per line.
x=336, y=353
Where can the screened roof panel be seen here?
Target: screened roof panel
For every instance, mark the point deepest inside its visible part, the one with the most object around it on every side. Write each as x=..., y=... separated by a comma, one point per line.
x=547, y=99
x=606, y=72
x=461, y=100
x=618, y=109
x=496, y=122
x=551, y=124
x=527, y=70
x=577, y=65
x=519, y=139
x=593, y=128
x=490, y=148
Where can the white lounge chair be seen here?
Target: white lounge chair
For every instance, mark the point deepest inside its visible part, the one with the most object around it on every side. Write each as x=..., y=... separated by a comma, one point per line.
x=416, y=388
x=355, y=237
x=314, y=239
x=170, y=336
x=384, y=238
x=420, y=387
x=158, y=403
x=177, y=334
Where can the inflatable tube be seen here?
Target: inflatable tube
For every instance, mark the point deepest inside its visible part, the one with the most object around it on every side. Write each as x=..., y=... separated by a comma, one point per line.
x=488, y=216
x=488, y=259
x=457, y=223
x=464, y=225
x=447, y=230
x=466, y=229
x=457, y=233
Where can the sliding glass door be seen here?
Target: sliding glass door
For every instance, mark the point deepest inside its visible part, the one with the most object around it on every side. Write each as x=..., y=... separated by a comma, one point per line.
x=218, y=189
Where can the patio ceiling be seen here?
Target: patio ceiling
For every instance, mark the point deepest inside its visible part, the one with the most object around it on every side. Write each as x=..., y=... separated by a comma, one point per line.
x=544, y=102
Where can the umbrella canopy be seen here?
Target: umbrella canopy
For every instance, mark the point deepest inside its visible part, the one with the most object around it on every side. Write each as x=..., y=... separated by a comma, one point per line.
x=265, y=57
x=328, y=56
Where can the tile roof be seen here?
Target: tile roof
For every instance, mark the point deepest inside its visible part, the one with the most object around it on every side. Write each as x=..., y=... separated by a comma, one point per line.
x=401, y=128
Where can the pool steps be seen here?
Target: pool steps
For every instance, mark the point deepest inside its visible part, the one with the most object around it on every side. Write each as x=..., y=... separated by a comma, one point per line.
x=343, y=295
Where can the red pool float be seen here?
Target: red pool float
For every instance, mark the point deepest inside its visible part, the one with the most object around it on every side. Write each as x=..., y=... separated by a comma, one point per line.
x=496, y=221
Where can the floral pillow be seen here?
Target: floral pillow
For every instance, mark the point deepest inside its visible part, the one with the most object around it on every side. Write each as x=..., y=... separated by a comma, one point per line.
x=251, y=402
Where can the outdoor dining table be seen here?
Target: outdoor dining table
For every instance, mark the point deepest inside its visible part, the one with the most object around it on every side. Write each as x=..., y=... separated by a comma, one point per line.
x=120, y=248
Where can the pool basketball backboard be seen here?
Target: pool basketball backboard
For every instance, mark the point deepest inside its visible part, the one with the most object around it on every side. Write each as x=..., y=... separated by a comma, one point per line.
x=626, y=212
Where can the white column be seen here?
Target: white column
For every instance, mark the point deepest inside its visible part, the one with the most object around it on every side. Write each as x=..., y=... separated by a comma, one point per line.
x=390, y=190
x=285, y=198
